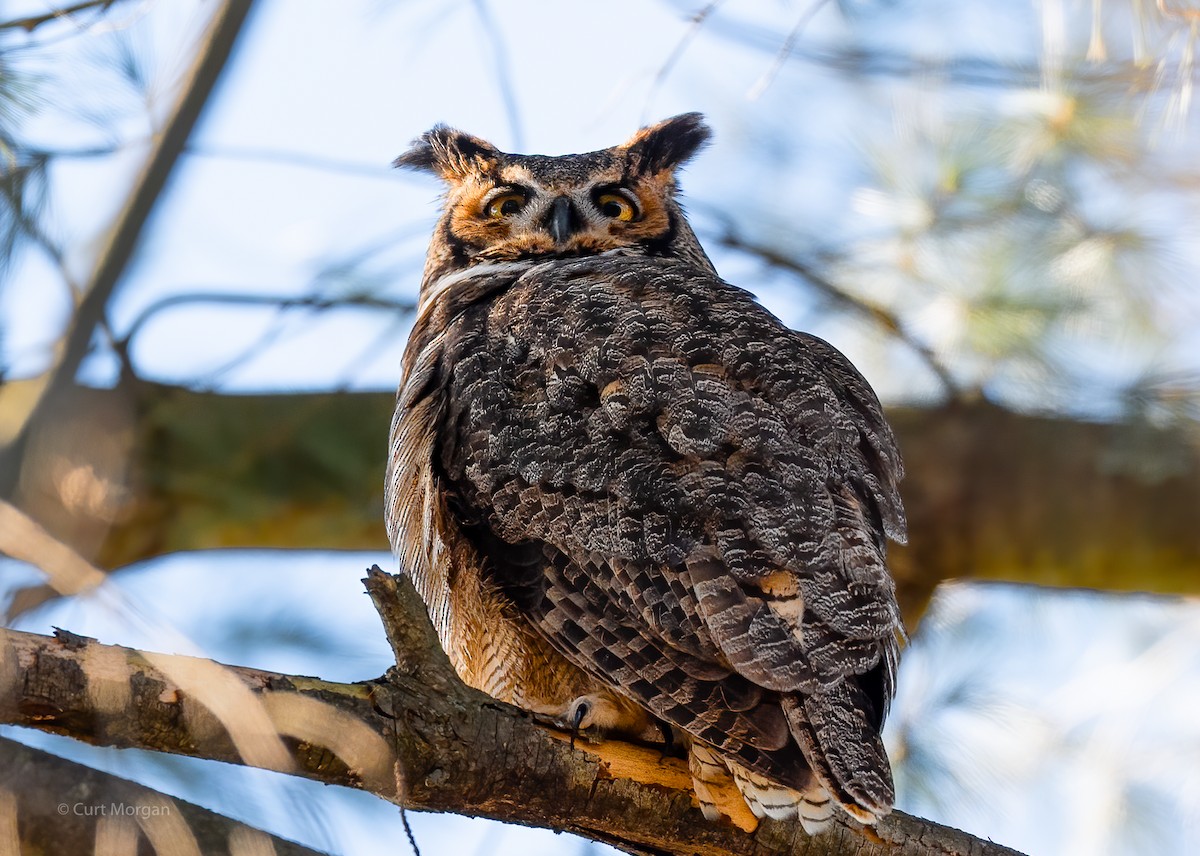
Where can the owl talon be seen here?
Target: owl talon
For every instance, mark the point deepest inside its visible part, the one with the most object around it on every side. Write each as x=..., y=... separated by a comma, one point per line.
x=582, y=708
x=670, y=746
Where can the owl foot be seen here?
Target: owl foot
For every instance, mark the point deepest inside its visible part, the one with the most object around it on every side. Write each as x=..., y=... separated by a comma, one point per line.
x=582, y=709
x=587, y=716
x=599, y=715
x=671, y=746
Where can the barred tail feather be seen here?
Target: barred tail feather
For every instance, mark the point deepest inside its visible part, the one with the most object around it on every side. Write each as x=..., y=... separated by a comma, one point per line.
x=708, y=771
x=812, y=806
x=715, y=788
x=722, y=786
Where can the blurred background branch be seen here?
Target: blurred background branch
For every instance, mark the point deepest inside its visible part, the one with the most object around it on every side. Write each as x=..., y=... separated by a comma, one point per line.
x=887, y=321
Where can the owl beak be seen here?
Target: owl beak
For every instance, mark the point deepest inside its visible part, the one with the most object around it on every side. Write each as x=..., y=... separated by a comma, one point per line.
x=563, y=220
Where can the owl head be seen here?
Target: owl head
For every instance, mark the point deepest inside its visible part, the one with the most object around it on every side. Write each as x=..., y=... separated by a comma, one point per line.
x=505, y=207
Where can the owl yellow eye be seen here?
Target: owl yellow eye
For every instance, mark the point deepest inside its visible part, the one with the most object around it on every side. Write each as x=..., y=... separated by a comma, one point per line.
x=615, y=206
x=505, y=205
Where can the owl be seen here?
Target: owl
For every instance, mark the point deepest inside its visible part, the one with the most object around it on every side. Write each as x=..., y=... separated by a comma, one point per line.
x=631, y=498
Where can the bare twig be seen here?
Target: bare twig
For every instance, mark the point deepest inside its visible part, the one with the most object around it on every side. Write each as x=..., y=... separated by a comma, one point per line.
x=503, y=71
x=677, y=52
x=32, y=22
x=886, y=319
x=785, y=50
x=304, y=160
x=313, y=302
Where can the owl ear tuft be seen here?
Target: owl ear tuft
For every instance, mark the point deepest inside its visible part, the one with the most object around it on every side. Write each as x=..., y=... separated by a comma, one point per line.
x=449, y=153
x=667, y=145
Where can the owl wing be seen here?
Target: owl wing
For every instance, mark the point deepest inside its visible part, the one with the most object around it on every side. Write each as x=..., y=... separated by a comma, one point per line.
x=699, y=496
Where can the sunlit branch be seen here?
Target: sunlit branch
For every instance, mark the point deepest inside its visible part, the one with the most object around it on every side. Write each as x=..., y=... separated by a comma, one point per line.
x=419, y=738
x=193, y=706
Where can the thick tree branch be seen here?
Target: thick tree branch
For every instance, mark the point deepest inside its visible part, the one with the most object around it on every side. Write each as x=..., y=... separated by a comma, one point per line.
x=990, y=493
x=457, y=750
x=64, y=807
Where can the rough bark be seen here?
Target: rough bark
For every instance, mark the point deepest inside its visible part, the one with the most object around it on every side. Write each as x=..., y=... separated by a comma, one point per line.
x=51, y=805
x=127, y=474
x=455, y=749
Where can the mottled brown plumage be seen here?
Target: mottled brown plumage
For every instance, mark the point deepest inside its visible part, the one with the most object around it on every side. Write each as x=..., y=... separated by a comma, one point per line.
x=629, y=495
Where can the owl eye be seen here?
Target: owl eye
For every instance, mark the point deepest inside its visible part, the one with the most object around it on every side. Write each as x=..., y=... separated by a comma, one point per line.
x=505, y=205
x=615, y=205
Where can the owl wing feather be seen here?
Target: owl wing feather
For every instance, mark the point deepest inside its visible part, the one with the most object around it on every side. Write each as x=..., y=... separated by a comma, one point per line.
x=709, y=494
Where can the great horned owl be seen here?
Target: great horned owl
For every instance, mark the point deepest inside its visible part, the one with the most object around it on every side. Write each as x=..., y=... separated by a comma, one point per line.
x=631, y=498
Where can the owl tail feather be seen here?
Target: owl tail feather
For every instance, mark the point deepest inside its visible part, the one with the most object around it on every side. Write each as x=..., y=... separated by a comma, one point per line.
x=812, y=806
x=709, y=775
x=725, y=787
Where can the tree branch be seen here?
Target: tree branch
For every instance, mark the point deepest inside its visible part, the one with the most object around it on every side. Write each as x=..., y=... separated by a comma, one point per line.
x=64, y=807
x=31, y=22
x=989, y=493
x=194, y=91
x=312, y=302
x=455, y=749
x=963, y=70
